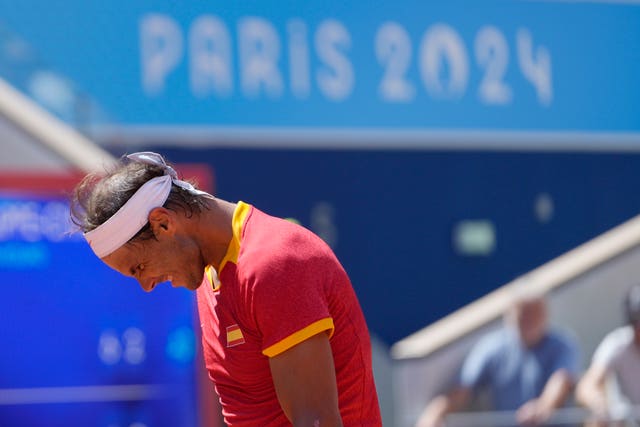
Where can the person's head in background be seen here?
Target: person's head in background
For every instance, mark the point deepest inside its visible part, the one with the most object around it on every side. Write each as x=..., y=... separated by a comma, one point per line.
x=632, y=310
x=528, y=316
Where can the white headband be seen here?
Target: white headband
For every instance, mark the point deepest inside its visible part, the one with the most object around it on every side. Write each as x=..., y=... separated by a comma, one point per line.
x=134, y=214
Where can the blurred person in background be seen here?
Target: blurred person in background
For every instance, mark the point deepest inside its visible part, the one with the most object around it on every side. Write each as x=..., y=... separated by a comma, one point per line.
x=284, y=338
x=524, y=366
x=611, y=386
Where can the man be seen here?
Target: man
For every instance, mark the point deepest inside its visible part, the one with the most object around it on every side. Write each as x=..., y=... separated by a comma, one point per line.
x=284, y=338
x=617, y=357
x=524, y=367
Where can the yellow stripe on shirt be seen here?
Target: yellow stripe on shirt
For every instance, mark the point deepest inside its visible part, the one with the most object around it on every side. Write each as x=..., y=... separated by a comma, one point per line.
x=237, y=223
x=299, y=336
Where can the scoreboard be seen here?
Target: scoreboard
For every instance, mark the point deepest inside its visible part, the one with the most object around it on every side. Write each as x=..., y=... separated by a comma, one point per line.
x=82, y=345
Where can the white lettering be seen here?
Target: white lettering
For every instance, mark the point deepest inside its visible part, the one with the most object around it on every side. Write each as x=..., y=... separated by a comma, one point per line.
x=20, y=221
x=442, y=46
x=32, y=222
x=109, y=348
x=259, y=54
x=134, y=346
x=492, y=53
x=536, y=69
x=336, y=79
x=54, y=221
x=161, y=50
x=393, y=50
x=210, y=58
x=299, y=59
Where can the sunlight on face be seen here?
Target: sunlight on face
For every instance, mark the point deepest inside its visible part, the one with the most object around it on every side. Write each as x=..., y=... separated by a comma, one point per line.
x=151, y=262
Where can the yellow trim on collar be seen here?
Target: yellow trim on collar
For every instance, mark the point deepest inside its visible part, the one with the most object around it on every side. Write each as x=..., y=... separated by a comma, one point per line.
x=299, y=336
x=237, y=223
x=233, y=251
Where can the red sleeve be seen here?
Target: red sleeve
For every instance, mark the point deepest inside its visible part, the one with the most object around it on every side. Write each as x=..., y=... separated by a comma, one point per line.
x=290, y=300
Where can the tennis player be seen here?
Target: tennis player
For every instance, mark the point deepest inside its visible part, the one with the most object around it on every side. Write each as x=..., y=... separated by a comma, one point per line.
x=284, y=338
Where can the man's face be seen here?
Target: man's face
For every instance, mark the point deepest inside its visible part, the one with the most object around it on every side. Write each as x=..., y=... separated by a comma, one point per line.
x=531, y=321
x=152, y=262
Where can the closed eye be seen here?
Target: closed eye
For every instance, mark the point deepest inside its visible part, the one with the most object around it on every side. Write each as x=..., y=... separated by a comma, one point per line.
x=137, y=269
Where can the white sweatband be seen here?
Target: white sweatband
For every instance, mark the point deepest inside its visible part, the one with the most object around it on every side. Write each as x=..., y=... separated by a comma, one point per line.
x=134, y=214
x=130, y=218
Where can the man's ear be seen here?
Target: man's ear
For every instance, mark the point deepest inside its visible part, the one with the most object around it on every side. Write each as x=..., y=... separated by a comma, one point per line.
x=161, y=222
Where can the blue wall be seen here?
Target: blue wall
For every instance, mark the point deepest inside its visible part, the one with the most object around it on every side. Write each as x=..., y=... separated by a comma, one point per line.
x=394, y=213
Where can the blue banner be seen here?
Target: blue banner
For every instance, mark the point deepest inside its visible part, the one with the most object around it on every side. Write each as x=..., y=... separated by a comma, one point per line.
x=461, y=64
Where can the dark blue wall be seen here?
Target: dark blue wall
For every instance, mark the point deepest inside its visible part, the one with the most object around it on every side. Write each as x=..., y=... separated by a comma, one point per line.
x=395, y=212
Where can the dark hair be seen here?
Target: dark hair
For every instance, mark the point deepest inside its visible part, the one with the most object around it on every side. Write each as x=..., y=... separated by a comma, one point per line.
x=98, y=197
x=632, y=305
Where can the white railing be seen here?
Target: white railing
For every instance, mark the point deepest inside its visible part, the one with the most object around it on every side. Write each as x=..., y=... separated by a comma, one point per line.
x=544, y=279
x=563, y=417
x=53, y=133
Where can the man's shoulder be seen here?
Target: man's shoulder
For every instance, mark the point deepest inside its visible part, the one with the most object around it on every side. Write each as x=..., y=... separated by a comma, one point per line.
x=279, y=240
x=496, y=340
x=614, y=345
x=489, y=349
x=274, y=230
x=273, y=249
x=618, y=339
x=264, y=236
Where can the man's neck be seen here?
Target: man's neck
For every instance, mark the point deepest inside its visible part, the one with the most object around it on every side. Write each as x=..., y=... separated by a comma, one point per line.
x=214, y=231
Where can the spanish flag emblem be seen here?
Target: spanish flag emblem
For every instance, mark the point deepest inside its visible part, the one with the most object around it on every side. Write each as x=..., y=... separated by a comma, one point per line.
x=234, y=336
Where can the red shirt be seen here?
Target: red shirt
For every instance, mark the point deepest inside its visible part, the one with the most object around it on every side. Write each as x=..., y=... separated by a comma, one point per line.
x=278, y=285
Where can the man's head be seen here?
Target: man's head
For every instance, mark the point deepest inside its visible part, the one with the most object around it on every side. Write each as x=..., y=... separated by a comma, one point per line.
x=529, y=317
x=134, y=220
x=98, y=197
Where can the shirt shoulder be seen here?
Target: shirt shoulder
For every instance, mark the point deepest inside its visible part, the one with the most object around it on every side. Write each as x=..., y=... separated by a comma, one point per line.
x=499, y=340
x=481, y=360
x=490, y=345
x=562, y=351
x=274, y=246
x=287, y=279
x=562, y=340
x=613, y=345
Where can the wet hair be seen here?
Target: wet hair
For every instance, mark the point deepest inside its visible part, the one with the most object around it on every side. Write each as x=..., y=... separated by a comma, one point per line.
x=632, y=305
x=99, y=196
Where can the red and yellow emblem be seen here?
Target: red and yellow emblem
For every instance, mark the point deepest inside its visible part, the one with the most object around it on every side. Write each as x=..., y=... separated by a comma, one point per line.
x=234, y=336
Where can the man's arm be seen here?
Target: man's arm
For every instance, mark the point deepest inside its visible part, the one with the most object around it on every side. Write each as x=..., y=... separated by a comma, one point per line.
x=305, y=382
x=590, y=391
x=555, y=392
x=473, y=374
x=435, y=413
